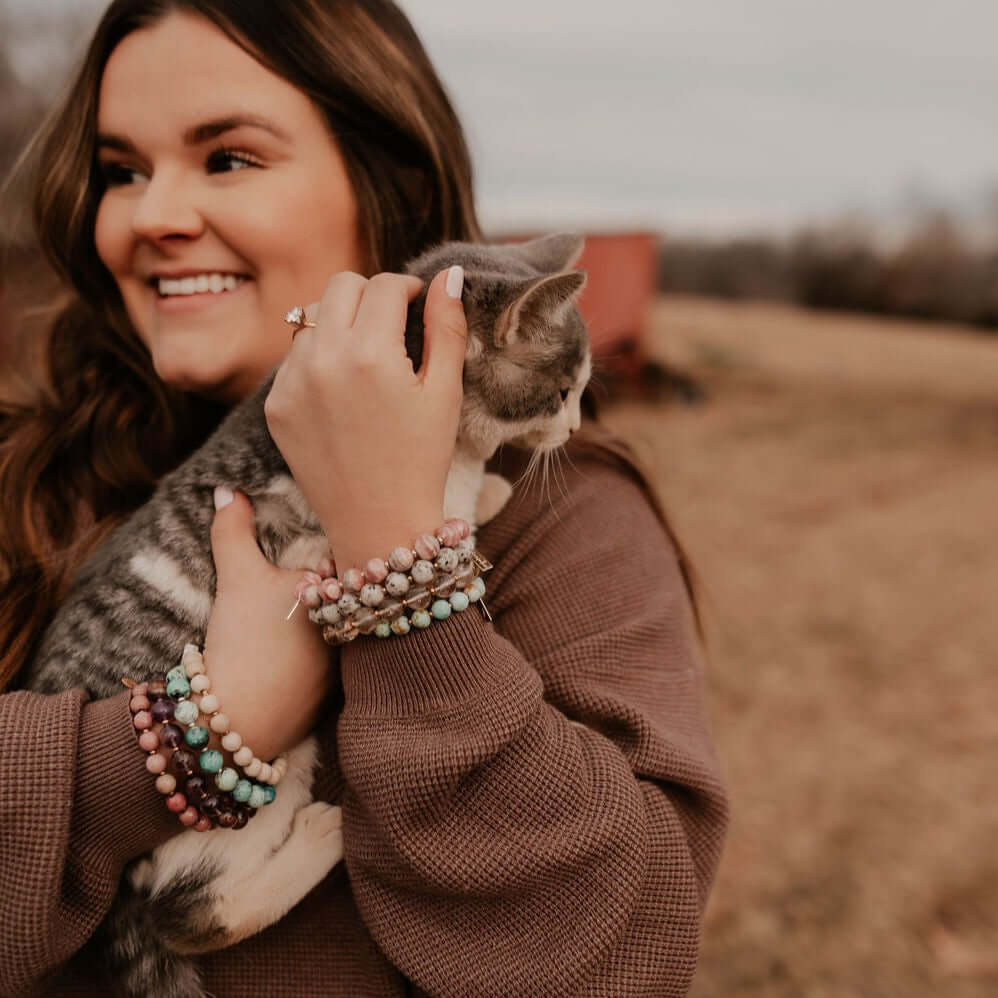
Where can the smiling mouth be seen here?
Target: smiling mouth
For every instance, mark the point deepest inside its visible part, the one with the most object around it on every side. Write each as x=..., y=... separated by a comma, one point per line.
x=196, y=284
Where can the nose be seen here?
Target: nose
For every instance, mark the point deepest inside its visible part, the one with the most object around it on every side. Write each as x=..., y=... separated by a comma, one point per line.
x=166, y=209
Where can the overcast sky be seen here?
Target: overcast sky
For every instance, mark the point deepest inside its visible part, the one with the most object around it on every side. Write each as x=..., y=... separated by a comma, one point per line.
x=711, y=115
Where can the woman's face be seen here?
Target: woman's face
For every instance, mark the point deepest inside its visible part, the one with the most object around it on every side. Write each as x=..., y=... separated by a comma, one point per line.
x=227, y=203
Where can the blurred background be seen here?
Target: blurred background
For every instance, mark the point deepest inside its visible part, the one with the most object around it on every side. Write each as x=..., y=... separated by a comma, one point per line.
x=792, y=221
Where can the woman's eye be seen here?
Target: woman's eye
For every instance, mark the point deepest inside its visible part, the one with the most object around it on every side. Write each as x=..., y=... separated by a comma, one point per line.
x=116, y=174
x=228, y=160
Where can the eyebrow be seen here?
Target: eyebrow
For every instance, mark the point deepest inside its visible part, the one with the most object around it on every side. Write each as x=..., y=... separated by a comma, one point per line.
x=204, y=132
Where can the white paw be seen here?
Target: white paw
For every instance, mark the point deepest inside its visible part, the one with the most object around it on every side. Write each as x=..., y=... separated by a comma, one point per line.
x=493, y=495
x=318, y=825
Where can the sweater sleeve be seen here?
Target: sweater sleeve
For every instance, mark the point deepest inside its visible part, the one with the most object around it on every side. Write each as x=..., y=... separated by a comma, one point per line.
x=76, y=803
x=535, y=807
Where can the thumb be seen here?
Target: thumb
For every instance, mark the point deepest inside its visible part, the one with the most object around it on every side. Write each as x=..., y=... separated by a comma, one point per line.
x=233, y=537
x=446, y=328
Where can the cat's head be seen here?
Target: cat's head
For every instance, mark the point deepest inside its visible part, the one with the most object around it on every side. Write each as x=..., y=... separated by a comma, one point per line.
x=528, y=359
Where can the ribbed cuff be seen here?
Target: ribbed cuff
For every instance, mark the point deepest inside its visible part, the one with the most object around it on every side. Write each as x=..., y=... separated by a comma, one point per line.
x=451, y=662
x=114, y=791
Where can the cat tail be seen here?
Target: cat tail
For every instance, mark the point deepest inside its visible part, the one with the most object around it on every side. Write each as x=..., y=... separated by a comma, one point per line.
x=136, y=953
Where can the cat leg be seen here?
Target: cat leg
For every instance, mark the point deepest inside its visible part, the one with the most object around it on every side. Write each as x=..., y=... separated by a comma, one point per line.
x=493, y=495
x=244, y=905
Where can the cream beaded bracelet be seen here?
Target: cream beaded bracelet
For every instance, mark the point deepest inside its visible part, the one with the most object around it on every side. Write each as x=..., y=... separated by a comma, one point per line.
x=192, y=664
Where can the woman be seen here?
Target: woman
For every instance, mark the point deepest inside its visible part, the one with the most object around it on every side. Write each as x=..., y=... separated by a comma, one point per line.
x=530, y=808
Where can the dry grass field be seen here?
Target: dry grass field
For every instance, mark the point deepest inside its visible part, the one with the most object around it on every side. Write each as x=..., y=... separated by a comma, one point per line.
x=838, y=493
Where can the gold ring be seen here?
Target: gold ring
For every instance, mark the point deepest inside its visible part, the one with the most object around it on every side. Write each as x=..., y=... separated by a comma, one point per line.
x=296, y=318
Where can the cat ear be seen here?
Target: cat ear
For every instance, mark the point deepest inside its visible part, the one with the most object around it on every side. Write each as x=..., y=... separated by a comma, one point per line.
x=553, y=253
x=542, y=304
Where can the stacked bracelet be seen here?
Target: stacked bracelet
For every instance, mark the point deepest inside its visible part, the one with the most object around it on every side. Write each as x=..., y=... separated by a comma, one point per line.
x=410, y=588
x=161, y=708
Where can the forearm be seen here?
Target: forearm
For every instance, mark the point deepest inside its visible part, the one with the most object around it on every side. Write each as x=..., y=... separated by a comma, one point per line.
x=75, y=805
x=481, y=822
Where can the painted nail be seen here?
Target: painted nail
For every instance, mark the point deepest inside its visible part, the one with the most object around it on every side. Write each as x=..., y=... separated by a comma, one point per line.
x=455, y=281
x=223, y=496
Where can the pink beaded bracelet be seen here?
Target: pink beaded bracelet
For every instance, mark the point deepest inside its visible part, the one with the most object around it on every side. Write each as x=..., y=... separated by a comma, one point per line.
x=410, y=588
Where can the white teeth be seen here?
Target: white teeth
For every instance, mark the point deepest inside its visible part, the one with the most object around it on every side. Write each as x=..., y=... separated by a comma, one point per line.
x=202, y=283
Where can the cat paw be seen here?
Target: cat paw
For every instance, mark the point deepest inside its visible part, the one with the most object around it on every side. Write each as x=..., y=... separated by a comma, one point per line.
x=319, y=825
x=492, y=496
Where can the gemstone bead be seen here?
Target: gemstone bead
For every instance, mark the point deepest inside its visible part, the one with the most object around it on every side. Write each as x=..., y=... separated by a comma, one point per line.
x=211, y=805
x=364, y=620
x=257, y=797
x=418, y=599
x=200, y=684
x=390, y=609
x=138, y=703
x=243, y=757
x=332, y=590
x=184, y=760
x=166, y=783
x=197, y=737
x=156, y=763
x=157, y=687
x=397, y=584
x=400, y=625
x=384, y=629
x=423, y=572
x=329, y=613
x=171, y=736
x=400, y=560
x=353, y=580
x=440, y=609
x=348, y=604
x=459, y=601
x=421, y=619
x=227, y=819
x=149, y=741
x=447, y=560
x=186, y=712
x=242, y=816
x=376, y=570
x=219, y=724
x=326, y=567
x=177, y=672
x=241, y=791
x=194, y=786
x=176, y=802
x=269, y=794
x=266, y=773
x=209, y=704
x=444, y=585
x=140, y=689
x=253, y=769
x=142, y=720
x=210, y=760
x=227, y=778
x=162, y=710
x=371, y=594
x=188, y=816
x=178, y=687
x=232, y=741
x=311, y=597
x=203, y=824
x=426, y=546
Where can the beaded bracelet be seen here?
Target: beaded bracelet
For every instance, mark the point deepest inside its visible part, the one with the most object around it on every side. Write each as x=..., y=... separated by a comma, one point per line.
x=193, y=804
x=410, y=588
x=192, y=669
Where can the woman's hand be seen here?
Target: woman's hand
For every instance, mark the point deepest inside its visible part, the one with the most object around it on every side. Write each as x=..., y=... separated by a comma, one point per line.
x=270, y=674
x=369, y=441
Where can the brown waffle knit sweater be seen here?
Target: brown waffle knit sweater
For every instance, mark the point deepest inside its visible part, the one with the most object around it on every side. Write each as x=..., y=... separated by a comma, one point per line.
x=530, y=808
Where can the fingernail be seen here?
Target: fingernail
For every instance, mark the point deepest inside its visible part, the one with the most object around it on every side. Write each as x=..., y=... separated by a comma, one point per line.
x=223, y=496
x=455, y=281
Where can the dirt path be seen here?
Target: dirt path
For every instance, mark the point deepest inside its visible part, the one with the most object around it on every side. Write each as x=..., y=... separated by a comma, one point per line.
x=839, y=495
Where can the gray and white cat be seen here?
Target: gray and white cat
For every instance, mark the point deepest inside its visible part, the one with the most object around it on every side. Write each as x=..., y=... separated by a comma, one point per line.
x=148, y=591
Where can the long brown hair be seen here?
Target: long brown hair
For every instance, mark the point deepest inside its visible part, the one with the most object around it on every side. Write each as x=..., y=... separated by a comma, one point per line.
x=88, y=444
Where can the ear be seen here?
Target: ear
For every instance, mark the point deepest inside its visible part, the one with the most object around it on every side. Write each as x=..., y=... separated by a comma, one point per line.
x=544, y=303
x=553, y=253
